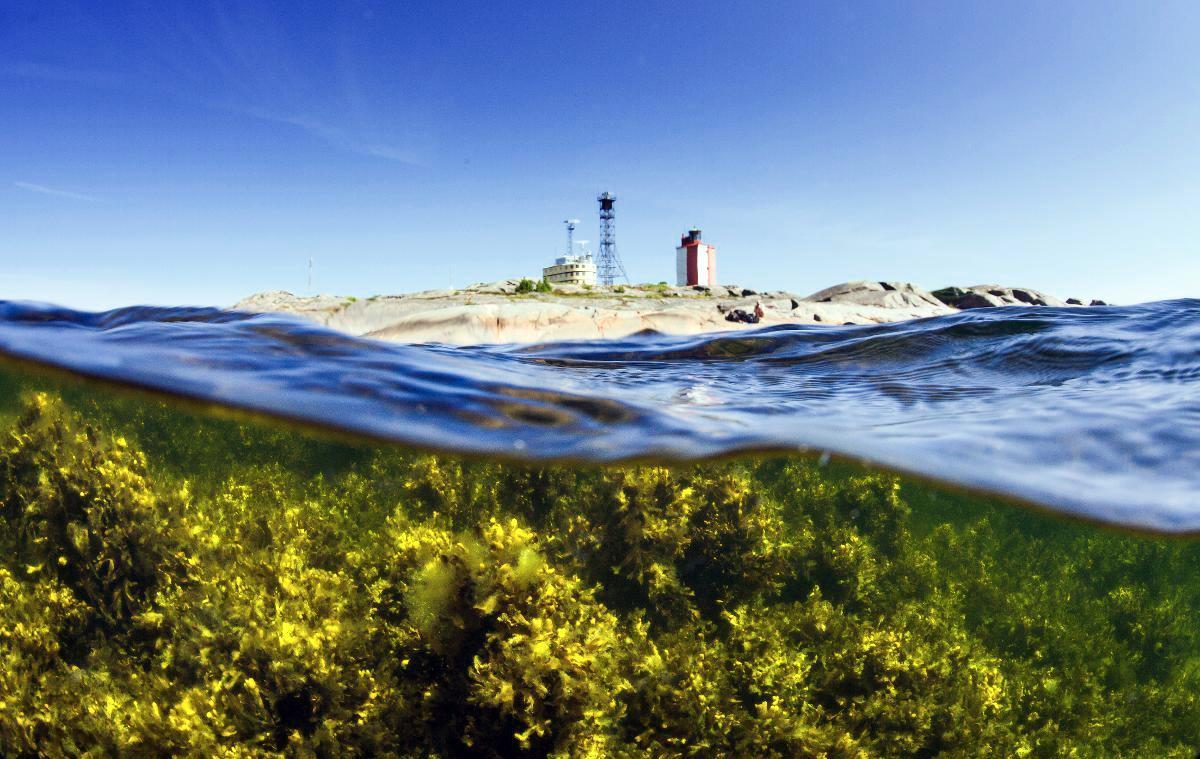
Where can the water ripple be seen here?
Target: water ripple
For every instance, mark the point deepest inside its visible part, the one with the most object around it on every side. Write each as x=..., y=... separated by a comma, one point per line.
x=1093, y=412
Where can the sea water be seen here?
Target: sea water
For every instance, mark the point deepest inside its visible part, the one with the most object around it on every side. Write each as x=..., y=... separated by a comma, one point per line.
x=223, y=534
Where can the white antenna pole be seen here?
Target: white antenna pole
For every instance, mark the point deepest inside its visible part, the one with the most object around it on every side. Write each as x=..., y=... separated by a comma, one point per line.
x=310, y=265
x=571, y=224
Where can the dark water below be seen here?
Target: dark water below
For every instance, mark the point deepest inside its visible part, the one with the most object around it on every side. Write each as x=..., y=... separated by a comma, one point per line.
x=1091, y=412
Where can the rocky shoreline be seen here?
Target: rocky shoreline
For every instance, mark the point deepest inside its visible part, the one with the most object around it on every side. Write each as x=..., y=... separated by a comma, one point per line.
x=500, y=312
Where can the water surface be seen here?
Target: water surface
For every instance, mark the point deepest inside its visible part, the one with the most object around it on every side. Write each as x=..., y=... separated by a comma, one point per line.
x=1094, y=412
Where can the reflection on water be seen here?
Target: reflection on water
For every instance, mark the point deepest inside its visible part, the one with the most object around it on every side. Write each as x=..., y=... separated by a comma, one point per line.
x=179, y=583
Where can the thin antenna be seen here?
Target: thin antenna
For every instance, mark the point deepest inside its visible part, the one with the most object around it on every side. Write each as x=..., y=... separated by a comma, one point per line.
x=571, y=224
x=310, y=264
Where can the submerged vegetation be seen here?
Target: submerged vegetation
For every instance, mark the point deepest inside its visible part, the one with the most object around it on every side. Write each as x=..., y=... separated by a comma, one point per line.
x=171, y=583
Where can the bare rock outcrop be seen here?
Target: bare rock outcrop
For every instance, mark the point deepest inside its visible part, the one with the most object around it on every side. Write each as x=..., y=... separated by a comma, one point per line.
x=880, y=294
x=497, y=313
x=990, y=296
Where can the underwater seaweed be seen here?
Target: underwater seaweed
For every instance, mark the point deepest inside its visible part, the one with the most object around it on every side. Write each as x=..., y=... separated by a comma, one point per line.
x=254, y=591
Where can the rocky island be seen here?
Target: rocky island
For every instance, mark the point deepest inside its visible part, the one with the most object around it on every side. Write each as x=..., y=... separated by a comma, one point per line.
x=513, y=311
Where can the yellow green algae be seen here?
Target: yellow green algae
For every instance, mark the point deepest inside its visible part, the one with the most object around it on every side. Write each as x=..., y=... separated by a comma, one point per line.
x=172, y=583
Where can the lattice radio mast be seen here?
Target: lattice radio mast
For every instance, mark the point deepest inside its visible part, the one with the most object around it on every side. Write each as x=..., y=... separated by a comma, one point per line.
x=608, y=264
x=571, y=224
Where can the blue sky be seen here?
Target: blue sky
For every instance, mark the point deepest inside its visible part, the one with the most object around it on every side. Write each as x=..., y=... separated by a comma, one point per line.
x=198, y=152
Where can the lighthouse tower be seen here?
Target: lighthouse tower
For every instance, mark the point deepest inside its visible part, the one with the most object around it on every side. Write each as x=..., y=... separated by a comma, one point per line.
x=695, y=261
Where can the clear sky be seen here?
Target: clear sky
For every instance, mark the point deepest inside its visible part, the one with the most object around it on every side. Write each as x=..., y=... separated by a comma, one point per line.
x=196, y=152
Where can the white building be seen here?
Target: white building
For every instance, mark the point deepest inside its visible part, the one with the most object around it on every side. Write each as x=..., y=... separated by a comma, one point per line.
x=571, y=270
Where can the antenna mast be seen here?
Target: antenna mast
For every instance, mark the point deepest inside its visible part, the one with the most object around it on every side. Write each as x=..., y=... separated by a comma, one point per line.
x=571, y=224
x=609, y=265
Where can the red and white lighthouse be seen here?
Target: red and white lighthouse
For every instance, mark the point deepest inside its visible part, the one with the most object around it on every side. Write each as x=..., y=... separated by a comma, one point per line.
x=695, y=261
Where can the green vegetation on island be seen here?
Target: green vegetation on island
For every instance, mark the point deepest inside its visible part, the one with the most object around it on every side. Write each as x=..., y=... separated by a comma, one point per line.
x=180, y=584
